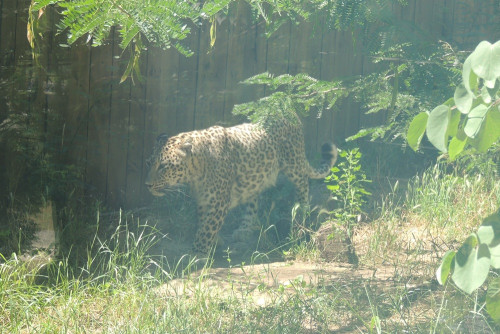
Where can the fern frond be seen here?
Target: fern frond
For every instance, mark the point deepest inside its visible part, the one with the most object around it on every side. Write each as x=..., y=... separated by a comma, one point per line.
x=299, y=94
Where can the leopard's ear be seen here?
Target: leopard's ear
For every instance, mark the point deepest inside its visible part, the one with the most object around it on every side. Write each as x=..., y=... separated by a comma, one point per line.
x=185, y=148
x=162, y=137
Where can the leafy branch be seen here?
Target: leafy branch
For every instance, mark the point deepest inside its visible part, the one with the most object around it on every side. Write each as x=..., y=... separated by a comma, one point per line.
x=300, y=93
x=166, y=23
x=471, y=118
x=405, y=85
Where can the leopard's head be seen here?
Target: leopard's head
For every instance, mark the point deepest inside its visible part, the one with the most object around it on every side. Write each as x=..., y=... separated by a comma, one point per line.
x=169, y=164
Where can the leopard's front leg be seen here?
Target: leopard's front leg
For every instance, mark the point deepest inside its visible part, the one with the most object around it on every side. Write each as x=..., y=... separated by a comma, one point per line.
x=211, y=218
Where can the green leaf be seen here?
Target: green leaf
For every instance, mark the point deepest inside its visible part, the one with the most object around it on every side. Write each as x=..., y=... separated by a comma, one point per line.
x=445, y=267
x=472, y=265
x=490, y=131
x=333, y=187
x=128, y=35
x=489, y=234
x=485, y=60
x=463, y=99
x=437, y=125
x=450, y=102
x=475, y=120
x=128, y=70
x=469, y=78
x=453, y=122
x=213, y=32
x=362, y=133
x=485, y=95
x=456, y=146
x=490, y=84
x=493, y=89
x=493, y=300
x=416, y=130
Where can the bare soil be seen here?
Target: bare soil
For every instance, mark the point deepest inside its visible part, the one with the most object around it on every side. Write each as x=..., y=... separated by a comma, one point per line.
x=332, y=267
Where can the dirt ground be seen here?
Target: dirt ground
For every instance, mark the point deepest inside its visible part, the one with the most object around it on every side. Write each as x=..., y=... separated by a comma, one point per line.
x=332, y=267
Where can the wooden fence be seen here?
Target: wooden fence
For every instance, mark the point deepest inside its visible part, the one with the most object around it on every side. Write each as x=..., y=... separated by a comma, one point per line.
x=107, y=129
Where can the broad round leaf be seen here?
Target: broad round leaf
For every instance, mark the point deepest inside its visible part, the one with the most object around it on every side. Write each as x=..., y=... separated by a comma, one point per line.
x=489, y=234
x=493, y=300
x=469, y=78
x=493, y=89
x=475, y=120
x=490, y=83
x=490, y=132
x=485, y=60
x=485, y=95
x=456, y=147
x=453, y=122
x=416, y=130
x=446, y=266
x=472, y=265
x=437, y=124
x=450, y=102
x=463, y=99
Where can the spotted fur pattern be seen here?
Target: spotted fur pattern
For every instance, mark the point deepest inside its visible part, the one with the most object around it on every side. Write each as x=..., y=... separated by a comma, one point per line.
x=225, y=167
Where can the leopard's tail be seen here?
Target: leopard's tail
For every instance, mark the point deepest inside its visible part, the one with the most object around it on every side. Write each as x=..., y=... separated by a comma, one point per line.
x=329, y=155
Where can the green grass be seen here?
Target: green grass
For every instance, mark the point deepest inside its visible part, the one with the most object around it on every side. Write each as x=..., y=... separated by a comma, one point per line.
x=120, y=287
x=437, y=207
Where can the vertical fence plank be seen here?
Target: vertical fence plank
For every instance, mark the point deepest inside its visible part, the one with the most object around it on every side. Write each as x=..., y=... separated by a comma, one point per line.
x=98, y=120
x=187, y=85
x=474, y=22
x=278, y=47
x=341, y=62
x=211, y=77
x=169, y=92
x=246, y=58
x=19, y=51
x=307, y=60
x=354, y=68
x=7, y=35
x=118, y=127
x=161, y=97
x=135, y=152
x=446, y=9
x=426, y=19
x=55, y=73
x=75, y=114
x=156, y=95
x=325, y=126
x=22, y=51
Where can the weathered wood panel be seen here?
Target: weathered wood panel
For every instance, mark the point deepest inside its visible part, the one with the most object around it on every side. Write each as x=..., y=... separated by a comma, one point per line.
x=160, y=103
x=8, y=35
x=211, y=76
x=118, y=128
x=245, y=57
x=187, y=86
x=136, y=131
x=474, y=21
x=307, y=60
x=101, y=79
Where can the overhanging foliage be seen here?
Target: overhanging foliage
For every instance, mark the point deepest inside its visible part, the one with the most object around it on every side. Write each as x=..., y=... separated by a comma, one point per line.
x=166, y=23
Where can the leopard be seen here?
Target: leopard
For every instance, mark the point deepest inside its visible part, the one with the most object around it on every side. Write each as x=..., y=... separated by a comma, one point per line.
x=225, y=167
